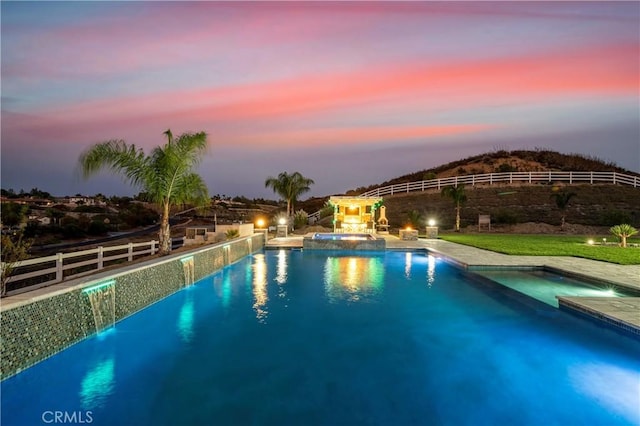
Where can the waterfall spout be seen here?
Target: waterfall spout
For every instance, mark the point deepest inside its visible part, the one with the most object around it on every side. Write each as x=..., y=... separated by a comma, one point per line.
x=103, y=304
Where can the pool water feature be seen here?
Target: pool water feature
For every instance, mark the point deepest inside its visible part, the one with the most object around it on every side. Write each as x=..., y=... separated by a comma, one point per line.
x=545, y=286
x=347, y=241
x=311, y=337
x=102, y=298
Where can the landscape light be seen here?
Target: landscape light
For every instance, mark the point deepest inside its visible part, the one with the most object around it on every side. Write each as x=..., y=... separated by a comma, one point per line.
x=432, y=222
x=590, y=242
x=408, y=228
x=260, y=223
x=282, y=221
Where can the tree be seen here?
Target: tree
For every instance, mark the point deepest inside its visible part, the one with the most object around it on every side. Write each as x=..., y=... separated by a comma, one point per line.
x=562, y=201
x=14, y=249
x=459, y=197
x=13, y=213
x=166, y=174
x=55, y=215
x=289, y=187
x=415, y=219
x=623, y=232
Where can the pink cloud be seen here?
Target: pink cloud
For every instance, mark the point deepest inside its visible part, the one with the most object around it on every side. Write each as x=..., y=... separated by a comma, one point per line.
x=352, y=135
x=603, y=70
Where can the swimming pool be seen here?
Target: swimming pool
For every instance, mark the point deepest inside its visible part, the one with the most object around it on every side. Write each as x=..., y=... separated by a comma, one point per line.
x=306, y=338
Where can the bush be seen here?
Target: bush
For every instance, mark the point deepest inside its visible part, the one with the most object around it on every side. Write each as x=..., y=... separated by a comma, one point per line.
x=97, y=228
x=614, y=217
x=300, y=219
x=506, y=168
x=505, y=217
x=327, y=210
x=72, y=230
x=232, y=233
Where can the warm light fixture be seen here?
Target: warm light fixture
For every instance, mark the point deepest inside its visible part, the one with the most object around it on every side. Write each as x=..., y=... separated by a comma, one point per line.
x=408, y=228
x=432, y=222
x=260, y=223
x=590, y=242
x=282, y=221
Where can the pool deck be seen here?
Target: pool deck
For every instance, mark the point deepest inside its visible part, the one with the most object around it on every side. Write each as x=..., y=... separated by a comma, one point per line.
x=623, y=312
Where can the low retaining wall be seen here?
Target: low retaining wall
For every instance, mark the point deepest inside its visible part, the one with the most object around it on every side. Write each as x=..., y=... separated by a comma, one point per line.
x=56, y=317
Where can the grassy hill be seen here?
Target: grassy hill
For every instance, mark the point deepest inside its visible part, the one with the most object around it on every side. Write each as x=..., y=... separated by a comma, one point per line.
x=593, y=205
x=506, y=161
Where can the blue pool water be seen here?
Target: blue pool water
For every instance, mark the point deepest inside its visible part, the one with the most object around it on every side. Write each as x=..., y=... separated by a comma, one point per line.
x=545, y=286
x=306, y=338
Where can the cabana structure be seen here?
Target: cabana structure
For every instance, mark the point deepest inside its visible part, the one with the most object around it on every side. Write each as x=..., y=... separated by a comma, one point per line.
x=355, y=214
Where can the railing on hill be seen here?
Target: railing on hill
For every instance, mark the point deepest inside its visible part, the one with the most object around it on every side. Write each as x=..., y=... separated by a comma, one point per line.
x=32, y=274
x=500, y=178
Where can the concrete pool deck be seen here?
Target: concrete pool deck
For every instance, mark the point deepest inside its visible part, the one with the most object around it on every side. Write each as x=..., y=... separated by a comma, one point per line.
x=620, y=311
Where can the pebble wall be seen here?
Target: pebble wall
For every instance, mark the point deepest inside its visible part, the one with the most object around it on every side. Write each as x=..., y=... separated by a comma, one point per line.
x=34, y=331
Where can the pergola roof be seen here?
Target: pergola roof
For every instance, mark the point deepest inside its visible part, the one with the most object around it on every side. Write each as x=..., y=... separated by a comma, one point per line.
x=337, y=200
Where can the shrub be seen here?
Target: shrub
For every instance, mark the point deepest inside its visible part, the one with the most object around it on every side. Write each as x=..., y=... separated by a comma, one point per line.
x=505, y=217
x=614, y=217
x=97, y=228
x=623, y=232
x=300, y=219
x=506, y=168
x=414, y=219
x=327, y=210
x=232, y=233
x=429, y=176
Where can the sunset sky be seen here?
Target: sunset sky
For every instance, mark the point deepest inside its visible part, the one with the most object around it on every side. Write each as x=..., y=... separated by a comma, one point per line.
x=348, y=94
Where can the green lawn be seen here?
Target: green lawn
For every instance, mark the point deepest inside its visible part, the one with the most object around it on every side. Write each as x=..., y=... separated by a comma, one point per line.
x=550, y=245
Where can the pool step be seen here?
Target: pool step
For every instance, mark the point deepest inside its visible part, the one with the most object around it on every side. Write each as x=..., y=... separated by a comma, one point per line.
x=619, y=312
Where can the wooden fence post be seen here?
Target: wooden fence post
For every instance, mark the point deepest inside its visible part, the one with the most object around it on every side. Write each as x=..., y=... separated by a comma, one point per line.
x=100, y=257
x=59, y=271
x=130, y=252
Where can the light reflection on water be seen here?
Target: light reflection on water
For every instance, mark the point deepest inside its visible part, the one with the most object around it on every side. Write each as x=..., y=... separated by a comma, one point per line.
x=353, y=278
x=259, y=283
x=185, y=319
x=431, y=270
x=98, y=384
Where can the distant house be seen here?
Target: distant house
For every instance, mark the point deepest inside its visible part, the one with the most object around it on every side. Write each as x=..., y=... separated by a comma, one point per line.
x=80, y=200
x=42, y=220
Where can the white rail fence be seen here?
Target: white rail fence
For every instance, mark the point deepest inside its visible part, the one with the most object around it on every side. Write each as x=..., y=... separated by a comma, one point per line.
x=501, y=178
x=32, y=274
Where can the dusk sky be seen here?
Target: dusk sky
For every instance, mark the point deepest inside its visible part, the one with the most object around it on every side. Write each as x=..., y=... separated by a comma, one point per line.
x=348, y=94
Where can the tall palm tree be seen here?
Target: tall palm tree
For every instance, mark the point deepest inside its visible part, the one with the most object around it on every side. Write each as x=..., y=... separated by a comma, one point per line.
x=166, y=174
x=459, y=197
x=562, y=201
x=289, y=187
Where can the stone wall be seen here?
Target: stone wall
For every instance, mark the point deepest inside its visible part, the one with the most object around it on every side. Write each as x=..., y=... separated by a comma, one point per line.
x=61, y=315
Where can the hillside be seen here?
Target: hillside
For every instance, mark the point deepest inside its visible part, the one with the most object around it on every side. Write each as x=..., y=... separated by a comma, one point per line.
x=506, y=161
x=592, y=206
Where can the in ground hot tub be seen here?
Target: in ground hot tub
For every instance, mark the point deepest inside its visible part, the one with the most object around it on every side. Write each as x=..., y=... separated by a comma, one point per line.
x=329, y=241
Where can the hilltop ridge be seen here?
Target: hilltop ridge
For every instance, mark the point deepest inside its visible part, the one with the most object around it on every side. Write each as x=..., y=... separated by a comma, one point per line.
x=502, y=160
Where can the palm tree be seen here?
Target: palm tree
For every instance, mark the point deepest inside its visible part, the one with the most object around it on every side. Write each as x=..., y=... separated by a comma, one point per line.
x=459, y=197
x=623, y=232
x=562, y=201
x=414, y=217
x=289, y=187
x=165, y=174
